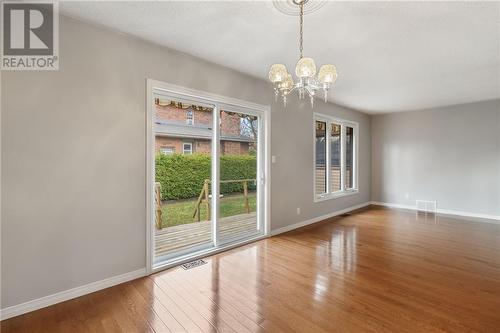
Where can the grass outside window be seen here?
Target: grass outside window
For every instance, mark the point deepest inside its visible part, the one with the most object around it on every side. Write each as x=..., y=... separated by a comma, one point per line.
x=181, y=211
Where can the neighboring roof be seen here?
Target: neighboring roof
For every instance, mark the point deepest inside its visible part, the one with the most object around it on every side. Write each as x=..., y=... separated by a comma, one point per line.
x=196, y=132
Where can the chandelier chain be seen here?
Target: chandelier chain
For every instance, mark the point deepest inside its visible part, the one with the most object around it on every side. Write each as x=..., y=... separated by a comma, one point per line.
x=301, y=39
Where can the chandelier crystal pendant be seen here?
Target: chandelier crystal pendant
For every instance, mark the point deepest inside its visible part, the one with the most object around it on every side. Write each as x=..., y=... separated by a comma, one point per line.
x=308, y=83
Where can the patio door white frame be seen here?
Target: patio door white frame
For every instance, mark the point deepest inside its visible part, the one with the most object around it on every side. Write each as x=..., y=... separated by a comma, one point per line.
x=263, y=169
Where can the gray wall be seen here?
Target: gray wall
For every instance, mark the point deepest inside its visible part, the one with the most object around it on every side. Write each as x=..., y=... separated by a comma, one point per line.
x=73, y=158
x=451, y=155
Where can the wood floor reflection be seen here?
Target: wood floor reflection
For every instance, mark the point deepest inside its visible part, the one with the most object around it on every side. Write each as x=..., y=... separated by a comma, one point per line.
x=376, y=270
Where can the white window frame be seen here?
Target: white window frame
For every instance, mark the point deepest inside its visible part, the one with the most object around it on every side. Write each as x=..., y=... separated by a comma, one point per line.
x=190, y=144
x=171, y=150
x=190, y=121
x=344, y=191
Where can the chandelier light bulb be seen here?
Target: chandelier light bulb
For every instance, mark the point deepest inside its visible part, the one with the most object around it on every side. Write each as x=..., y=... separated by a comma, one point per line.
x=327, y=74
x=288, y=83
x=305, y=68
x=277, y=73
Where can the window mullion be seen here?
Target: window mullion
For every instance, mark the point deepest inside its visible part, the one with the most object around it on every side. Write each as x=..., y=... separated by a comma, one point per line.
x=215, y=154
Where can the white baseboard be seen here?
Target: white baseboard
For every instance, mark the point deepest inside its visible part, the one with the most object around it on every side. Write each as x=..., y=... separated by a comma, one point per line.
x=317, y=219
x=65, y=295
x=393, y=205
x=488, y=217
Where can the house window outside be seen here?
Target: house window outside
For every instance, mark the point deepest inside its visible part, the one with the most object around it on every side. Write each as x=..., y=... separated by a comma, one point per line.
x=167, y=150
x=187, y=148
x=335, y=157
x=189, y=117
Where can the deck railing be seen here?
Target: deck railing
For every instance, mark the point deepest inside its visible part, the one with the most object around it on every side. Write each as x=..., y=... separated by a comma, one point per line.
x=204, y=197
x=158, y=215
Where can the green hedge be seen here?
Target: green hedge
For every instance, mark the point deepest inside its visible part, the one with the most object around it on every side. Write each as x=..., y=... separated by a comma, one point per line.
x=182, y=176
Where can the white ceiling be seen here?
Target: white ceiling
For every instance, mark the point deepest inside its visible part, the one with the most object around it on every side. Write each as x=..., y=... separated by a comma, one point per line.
x=391, y=56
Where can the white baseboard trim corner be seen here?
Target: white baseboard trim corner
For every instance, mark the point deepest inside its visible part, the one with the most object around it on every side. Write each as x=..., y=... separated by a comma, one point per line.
x=317, y=219
x=65, y=295
x=490, y=218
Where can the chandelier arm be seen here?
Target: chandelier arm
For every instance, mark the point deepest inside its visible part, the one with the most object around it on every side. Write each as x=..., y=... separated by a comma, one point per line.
x=310, y=91
x=314, y=86
x=292, y=89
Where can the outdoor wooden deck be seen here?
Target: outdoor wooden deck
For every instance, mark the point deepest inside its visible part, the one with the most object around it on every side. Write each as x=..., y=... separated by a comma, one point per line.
x=186, y=235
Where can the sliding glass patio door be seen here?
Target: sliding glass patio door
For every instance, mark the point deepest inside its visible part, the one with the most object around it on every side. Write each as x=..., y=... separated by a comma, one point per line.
x=208, y=175
x=183, y=132
x=239, y=174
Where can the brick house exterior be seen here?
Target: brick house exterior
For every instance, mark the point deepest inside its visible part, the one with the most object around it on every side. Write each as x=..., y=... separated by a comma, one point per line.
x=186, y=130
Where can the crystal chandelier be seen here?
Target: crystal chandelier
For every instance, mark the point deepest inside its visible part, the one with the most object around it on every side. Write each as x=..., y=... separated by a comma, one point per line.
x=308, y=83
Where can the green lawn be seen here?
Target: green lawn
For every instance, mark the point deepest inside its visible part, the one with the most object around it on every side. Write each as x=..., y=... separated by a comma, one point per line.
x=181, y=212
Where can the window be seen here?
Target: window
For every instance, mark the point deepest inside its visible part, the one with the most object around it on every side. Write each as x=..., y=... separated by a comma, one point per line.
x=335, y=157
x=249, y=126
x=320, y=157
x=189, y=117
x=349, y=158
x=187, y=148
x=167, y=150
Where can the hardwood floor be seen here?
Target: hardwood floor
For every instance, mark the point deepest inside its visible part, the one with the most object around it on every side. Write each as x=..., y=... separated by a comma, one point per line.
x=377, y=270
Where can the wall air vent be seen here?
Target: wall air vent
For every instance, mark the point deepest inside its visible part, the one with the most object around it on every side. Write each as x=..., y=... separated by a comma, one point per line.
x=426, y=206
